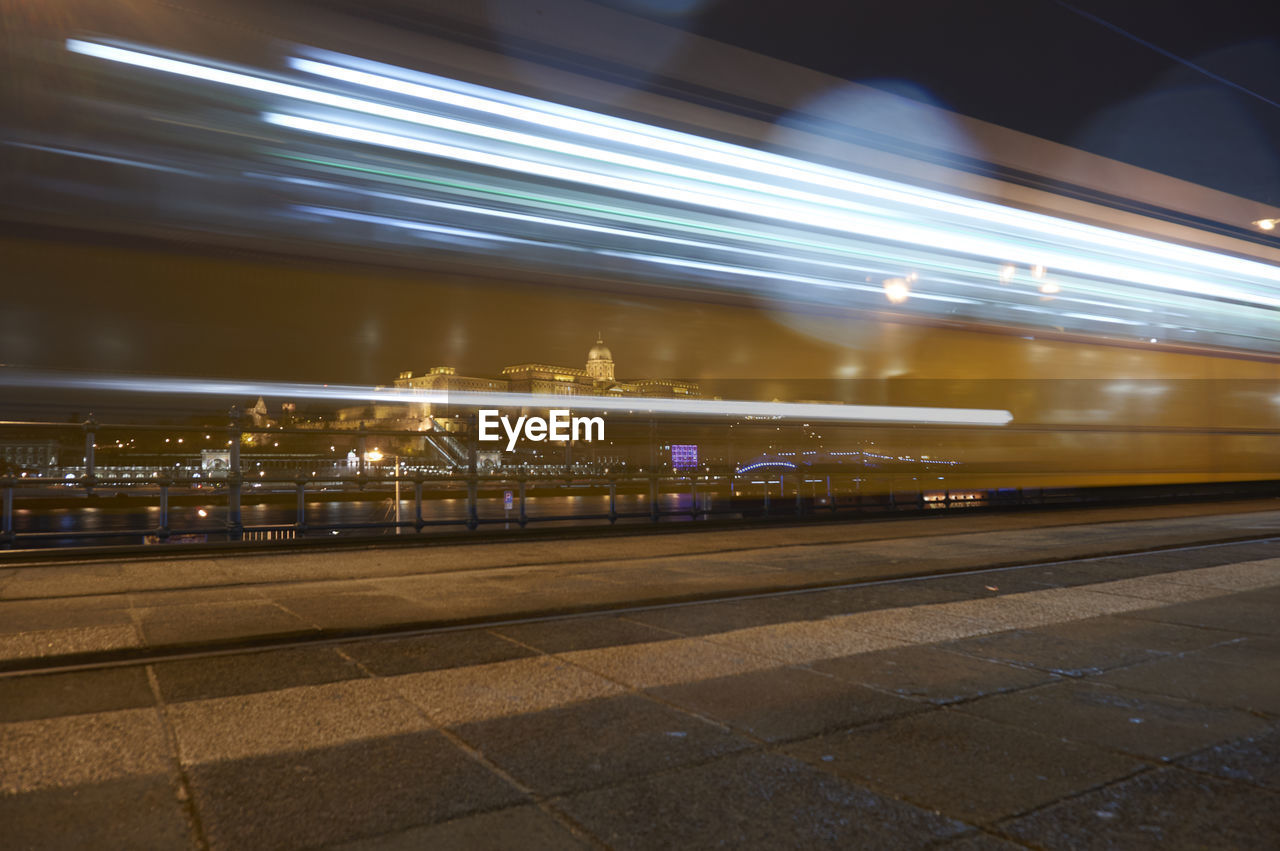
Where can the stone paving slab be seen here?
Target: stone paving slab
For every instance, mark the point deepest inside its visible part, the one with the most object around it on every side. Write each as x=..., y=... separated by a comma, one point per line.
x=753, y=801
x=1233, y=615
x=390, y=656
x=978, y=770
x=1150, y=636
x=288, y=720
x=803, y=642
x=1166, y=808
x=1146, y=725
x=353, y=610
x=40, y=646
x=342, y=793
x=1255, y=760
x=81, y=749
x=583, y=634
x=932, y=674
x=34, y=615
x=1257, y=651
x=500, y=690
x=527, y=828
x=722, y=617
x=1052, y=653
x=978, y=841
x=1205, y=680
x=667, y=662
x=597, y=743
x=267, y=670
x=121, y=814
x=785, y=703
x=74, y=693
x=208, y=622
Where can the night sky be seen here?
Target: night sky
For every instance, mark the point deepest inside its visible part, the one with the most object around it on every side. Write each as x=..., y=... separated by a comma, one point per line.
x=1038, y=67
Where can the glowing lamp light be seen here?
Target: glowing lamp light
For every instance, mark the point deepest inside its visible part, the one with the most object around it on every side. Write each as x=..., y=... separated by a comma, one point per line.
x=1267, y=224
x=1050, y=288
x=373, y=456
x=897, y=290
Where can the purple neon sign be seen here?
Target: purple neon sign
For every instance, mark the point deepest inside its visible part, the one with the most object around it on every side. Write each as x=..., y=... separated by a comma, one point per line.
x=684, y=456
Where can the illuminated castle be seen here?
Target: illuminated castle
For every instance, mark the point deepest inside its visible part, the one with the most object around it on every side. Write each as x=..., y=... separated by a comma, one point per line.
x=596, y=378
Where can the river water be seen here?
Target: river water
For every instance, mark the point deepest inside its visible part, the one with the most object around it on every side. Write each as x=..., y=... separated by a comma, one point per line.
x=130, y=524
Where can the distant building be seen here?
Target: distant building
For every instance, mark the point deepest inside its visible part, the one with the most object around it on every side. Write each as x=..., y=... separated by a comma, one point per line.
x=28, y=455
x=437, y=418
x=596, y=378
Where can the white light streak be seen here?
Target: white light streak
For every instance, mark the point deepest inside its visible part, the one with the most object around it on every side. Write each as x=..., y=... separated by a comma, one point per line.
x=627, y=404
x=685, y=169
x=1109, y=319
x=825, y=220
x=648, y=137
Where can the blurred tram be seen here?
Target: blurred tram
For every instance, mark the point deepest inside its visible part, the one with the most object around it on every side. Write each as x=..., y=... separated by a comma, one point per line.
x=328, y=194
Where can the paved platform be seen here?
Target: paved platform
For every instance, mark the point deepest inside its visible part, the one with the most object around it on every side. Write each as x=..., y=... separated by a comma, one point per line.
x=1122, y=702
x=61, y=613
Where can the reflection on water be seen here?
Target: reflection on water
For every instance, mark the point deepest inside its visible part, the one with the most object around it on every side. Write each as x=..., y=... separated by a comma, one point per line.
x=211, y=518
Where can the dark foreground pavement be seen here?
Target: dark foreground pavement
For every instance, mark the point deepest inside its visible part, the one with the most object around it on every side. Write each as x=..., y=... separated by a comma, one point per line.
x=1121, y=702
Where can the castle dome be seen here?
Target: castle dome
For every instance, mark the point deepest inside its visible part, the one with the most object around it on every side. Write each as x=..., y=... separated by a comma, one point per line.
x=600, y=362
x=599, y=351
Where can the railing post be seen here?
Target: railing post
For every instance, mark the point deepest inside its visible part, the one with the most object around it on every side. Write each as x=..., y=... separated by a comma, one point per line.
x=693, y=497
x=235, y=527
x=473, y=513
x=7, y=535
x=653, y=469
x=473, y=480
x=417, y=503
x=90, y=465
x=396, y=496
x=613, y=500
x=163, y=532
x=362, y=446
x=524, y=517
x=831, y=500
x=300, y=524
x=799, y=494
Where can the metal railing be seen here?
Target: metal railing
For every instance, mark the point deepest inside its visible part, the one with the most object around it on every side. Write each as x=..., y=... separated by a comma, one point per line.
x=707, y=493
x=158, y=486
x=658, y=494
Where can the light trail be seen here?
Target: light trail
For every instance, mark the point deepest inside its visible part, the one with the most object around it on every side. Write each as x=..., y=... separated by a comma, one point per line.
x=888, y=414
x=556, y=116
x=679, y=241
x=954, y=271
x=952, y=249
x=860, y=226
x=823, y=215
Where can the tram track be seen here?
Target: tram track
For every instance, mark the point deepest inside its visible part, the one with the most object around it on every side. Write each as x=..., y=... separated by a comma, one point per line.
x=141, y=656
